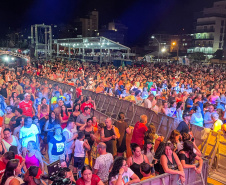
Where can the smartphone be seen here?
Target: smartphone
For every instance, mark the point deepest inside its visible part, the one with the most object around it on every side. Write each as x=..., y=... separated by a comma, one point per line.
x=192, y=139
x=153, y=162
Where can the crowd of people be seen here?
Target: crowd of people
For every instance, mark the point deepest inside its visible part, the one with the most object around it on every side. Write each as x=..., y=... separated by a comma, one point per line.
x=39, y=119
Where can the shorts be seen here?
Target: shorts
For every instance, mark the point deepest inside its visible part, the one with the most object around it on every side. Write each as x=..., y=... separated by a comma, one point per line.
x=79, y=162
x=57, y=157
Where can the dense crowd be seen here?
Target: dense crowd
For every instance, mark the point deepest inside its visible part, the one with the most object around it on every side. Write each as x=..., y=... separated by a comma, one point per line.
x=41, y=122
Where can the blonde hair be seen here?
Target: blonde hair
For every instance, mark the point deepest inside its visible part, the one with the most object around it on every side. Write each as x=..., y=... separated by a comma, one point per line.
x=143, y=118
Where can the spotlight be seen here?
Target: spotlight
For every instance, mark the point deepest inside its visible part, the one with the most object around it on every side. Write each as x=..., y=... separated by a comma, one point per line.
x=6, y=58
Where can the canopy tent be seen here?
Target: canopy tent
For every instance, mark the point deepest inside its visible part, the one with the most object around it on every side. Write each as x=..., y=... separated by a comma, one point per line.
x=91, y=43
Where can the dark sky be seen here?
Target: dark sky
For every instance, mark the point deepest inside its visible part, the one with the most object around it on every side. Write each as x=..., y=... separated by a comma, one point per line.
x=142, y=17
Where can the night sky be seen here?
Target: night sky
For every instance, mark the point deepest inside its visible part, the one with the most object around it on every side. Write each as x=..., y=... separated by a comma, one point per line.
x=142, y=17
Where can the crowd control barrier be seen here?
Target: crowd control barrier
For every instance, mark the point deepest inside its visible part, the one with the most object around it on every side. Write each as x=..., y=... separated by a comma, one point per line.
x=192, y=178
x=109, y=106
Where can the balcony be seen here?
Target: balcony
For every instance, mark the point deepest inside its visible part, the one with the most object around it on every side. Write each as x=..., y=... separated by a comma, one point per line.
x=204, y=38
x=202, y=45
x=204, y=30
x=205, y=23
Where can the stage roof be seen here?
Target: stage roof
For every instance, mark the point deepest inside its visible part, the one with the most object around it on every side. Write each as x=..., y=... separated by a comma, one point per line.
x=91, y=43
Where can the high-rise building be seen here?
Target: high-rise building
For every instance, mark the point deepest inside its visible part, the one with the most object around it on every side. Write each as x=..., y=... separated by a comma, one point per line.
x=210, y=29
x=171, y=43
x=88, y=26
x=115, y=31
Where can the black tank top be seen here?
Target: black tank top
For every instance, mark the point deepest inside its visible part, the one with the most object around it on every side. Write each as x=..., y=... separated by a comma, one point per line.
x=87, y=136
x=136, y=168
x=172, y=166
x=109, y=144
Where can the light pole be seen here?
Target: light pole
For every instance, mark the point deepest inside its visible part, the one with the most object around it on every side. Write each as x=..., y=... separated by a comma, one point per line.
x=153, y=37
x=174, y=44
x=163, y=51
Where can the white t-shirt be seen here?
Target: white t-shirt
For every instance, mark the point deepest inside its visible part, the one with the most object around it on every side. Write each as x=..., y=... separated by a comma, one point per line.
x=125, y=176
x=28, y=134
x=147, y=103
x=103, y=164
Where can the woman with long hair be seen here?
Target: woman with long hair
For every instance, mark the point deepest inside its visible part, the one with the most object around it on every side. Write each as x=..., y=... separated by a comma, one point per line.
x=136, y=159
x=10, y=140
x=49, y=125
x=97, y=140
x=33, y=156
x=89, y=133
x=13, y=101
x=170, y=163
x=88, y=177
x=174, y=139
x=121, y=173
x=149, y=152
x=68, y=102
x=196, y=118
x=76, y=111
x=10, y=177
x=43, y=109
x=7, y=117
x=187, y=157
x=64, y=116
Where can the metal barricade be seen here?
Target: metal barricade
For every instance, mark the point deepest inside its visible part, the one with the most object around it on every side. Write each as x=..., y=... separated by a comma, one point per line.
x=191, y=178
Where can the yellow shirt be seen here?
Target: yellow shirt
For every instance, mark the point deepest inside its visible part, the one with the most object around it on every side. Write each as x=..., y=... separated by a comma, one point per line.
x=217, y=125
x=130, y=98
x=145, y=178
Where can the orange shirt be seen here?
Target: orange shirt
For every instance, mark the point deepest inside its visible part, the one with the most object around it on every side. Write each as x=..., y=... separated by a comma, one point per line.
x=99, y=89
x=120, y=82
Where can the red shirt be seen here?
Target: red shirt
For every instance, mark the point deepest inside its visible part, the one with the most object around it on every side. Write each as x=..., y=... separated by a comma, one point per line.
x=90, y=105
x=138, y=134
x=26, y=108
x=78, y=92
x=2, y=168
x=19, y=158
x=94, y=180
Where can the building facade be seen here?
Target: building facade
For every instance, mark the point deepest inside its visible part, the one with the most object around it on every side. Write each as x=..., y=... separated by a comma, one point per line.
x=115, y=31
x=209, y=30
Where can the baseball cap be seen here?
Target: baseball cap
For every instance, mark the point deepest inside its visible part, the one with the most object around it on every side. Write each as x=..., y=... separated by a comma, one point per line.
x=186, y=114
x=148, y=141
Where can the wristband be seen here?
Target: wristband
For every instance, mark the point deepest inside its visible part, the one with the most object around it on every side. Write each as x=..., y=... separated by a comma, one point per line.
x=119, y=174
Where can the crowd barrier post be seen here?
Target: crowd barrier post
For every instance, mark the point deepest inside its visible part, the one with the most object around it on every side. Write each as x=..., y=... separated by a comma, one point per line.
x=191, y=177
x=221, y=154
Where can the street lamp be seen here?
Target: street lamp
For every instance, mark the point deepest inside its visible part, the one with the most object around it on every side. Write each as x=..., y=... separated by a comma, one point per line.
x=163, y=50
x=174, y=44
x=153, y=37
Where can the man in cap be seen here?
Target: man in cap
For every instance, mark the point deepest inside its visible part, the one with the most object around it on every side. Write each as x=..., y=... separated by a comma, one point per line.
x=184, y=126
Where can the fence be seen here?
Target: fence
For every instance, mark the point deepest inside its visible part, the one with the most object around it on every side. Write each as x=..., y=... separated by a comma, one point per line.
x=192, y=178
x=108, y=106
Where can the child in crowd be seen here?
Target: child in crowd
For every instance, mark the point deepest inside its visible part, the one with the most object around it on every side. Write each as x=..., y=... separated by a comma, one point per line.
x=81, y=145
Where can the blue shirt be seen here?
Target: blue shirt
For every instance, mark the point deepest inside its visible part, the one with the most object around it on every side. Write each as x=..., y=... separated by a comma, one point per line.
x=58, y=146
x=189, y=101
